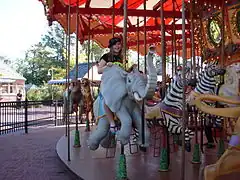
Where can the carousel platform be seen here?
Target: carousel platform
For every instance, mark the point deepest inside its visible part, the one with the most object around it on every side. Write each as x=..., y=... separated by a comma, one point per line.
x=94, y=165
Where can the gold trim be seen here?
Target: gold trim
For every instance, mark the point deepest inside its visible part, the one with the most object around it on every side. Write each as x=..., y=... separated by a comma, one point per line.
x=171, y=113
x=232, y=112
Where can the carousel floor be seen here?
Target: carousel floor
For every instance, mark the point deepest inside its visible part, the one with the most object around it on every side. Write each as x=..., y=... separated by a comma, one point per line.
x=93, y=165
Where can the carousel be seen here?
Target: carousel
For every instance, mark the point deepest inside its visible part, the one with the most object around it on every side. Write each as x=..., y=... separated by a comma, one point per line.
x=193, y=129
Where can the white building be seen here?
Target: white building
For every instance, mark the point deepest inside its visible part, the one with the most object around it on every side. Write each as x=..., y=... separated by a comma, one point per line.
x=10, y=83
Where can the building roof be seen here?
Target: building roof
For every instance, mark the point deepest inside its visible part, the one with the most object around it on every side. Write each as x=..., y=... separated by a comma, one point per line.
x=7, y=73
x=82, y=70
x=93, y=74
x=30, y=87
x=82, y=73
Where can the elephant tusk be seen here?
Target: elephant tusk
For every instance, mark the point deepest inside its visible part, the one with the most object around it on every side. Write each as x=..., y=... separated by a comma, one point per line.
x=232, y=112
x=137, y=97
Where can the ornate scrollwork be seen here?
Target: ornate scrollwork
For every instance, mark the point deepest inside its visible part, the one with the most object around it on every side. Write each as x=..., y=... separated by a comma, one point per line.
x=235, y=20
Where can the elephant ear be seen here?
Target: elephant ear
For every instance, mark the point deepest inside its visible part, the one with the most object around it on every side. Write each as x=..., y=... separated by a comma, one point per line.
x=113, y=87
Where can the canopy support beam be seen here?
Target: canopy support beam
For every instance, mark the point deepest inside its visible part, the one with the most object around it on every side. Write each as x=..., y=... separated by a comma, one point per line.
x=119, y=12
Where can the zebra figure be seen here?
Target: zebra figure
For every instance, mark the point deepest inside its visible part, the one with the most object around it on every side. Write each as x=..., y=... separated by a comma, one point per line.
x=207, y=85
x=171, y=108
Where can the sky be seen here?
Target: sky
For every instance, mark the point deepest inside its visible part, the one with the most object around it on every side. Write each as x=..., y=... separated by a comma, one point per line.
x=22, y=24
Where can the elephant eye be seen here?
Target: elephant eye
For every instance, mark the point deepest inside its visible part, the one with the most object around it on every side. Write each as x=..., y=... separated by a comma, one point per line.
x=129, y=80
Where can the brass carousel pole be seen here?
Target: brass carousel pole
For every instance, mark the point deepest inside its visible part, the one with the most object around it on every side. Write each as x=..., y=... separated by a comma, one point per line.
x=165, y=152
x=113, y=20
x=223, y=34
x=179, y=52
x=145, y=71
x=68, y=81
x=125, y=33
x=77, y=135
x=172, y=56
x=163, y=48
x=174, y=39
x=145, y=37
x=92, y=87
x=184, y=95
x=221, y=147
x=192, y=40
x=113, y=17
x=196, y=152
x=88, y=60
x=122, y=165
x=88, y=55
x=138, y=46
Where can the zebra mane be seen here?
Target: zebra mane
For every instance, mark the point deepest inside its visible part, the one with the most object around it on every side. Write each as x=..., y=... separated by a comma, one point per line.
x=206, y=83
x=173, y=97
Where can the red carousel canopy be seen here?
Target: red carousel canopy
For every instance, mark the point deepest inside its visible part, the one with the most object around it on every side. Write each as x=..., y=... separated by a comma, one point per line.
x=96, y=20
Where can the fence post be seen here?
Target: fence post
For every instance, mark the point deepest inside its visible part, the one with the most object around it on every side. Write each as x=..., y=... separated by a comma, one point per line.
x=26, y=115
x=55, y=112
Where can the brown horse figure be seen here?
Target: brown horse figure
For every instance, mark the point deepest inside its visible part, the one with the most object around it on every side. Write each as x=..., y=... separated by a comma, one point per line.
x=87, y=102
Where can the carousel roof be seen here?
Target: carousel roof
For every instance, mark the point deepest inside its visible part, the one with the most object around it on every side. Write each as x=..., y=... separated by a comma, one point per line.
x=96, y=20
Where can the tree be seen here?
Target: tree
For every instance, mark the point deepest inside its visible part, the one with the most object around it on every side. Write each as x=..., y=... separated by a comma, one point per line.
x=34, y=67
x=95, y=50
x=5, y=60
x=49, y=53
x=55, y=41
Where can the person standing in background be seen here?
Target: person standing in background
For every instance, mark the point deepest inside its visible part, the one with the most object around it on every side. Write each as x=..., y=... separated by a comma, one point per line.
x=18, y=99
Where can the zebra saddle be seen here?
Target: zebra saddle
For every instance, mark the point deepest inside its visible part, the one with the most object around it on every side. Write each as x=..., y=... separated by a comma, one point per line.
x=171, y=110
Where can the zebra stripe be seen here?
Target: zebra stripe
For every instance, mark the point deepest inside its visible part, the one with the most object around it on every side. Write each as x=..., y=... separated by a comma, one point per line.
x=174, y=95
x=175, y=127
x=207, y=85
x=174, y=99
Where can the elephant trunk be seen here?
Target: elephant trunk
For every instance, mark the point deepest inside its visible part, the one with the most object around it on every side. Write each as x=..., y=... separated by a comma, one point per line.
x=152, y=79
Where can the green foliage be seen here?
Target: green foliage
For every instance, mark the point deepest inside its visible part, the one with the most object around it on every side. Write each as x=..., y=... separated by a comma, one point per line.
x=95, y=50
x=45, y=55
x=45, y=93
x=5, y=60
x=51, y=53
x=34, y=95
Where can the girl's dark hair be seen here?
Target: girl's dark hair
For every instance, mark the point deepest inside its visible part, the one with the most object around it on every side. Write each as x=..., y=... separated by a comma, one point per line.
x=113, y=41
x=110, y=55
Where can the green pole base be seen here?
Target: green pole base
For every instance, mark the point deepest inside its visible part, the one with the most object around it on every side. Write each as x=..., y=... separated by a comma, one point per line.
x=87, y=126
x=221, y=148
x=77, y=140
x=196, y=154
x=122, y=168
x=163, y=160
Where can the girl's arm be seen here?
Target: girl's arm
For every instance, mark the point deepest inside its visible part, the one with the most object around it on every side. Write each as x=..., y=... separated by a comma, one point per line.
x=101, y=66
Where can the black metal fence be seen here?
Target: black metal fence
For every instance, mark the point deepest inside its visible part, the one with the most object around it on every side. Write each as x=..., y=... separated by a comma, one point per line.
x=16, y=116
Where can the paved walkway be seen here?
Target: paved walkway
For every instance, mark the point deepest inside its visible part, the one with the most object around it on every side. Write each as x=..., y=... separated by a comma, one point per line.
x=32, y=156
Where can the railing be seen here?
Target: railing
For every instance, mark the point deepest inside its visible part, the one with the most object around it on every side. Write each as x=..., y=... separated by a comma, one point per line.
x=16, y=116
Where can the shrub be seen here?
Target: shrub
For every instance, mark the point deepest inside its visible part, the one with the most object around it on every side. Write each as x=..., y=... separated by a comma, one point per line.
x=45, y=93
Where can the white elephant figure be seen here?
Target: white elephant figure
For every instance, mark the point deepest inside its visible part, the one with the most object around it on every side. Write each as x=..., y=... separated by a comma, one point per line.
x=123, y=93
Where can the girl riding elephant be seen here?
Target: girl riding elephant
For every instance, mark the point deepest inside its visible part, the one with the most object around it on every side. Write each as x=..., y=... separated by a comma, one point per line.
x=107, y=60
